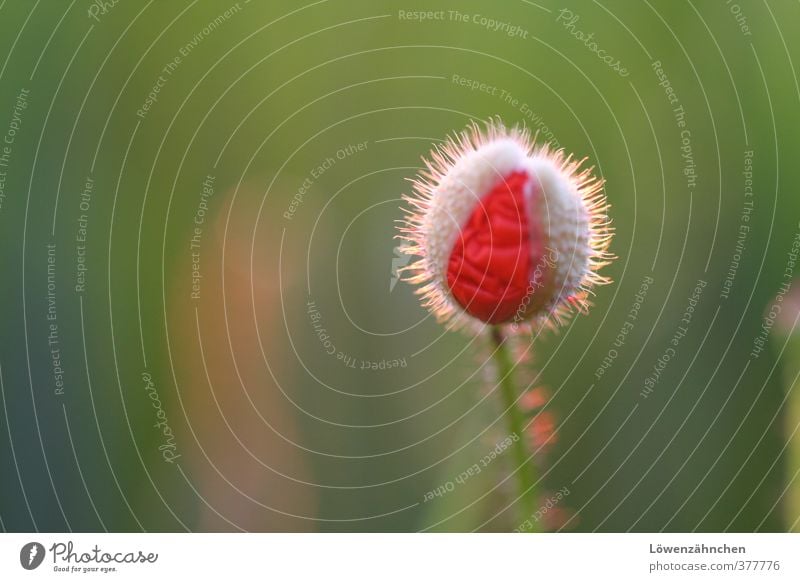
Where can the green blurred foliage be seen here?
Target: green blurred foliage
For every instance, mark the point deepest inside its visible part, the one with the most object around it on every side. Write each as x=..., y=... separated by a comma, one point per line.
x=312, y=444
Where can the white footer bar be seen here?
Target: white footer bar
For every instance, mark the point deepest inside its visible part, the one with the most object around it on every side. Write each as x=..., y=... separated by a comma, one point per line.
x=388, y=557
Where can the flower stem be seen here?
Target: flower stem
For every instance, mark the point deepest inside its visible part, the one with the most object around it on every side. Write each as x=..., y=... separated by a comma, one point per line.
x=515, y=420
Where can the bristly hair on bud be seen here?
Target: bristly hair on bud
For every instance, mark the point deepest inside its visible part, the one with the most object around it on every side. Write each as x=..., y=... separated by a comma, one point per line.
x=505, y=231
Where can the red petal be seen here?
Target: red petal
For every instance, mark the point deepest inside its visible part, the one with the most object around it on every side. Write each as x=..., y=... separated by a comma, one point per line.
x=489, y=268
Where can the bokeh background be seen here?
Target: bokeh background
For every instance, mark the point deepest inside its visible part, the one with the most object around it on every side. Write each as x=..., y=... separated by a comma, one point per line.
x=231, y=349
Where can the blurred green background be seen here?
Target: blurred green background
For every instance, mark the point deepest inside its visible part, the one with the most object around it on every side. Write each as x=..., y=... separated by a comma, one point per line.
x=219, y=407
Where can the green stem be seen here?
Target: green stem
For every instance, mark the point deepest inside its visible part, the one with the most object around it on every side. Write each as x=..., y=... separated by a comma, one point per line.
x=515, y=419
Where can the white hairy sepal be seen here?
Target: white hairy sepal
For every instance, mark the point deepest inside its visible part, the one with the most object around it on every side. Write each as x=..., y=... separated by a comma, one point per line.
x=571, y=212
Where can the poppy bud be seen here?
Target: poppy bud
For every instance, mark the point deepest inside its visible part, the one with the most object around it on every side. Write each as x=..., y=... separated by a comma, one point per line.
x=506, y=232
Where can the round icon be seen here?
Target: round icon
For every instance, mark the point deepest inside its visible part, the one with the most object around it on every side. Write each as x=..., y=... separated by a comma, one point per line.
x=31, y=555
